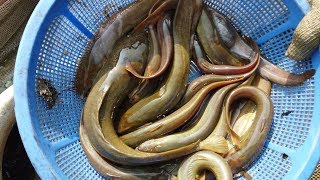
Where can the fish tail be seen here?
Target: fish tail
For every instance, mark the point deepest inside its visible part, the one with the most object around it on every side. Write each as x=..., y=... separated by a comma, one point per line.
x=216, y=144
x=235, y=138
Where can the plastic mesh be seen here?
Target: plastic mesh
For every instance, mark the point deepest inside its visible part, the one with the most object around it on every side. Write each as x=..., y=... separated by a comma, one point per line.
x=254, y=18
x=57, y=63
x=293, y=105
x=13, y=14
x=270, y=165
x=92, y=13
x=72, y=160
x=63, y=45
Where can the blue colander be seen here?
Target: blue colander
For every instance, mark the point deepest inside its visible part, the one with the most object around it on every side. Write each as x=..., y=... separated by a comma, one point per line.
x=55, y=39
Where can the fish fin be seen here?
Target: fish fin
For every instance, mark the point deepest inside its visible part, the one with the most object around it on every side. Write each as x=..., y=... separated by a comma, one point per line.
x=216, y=144
x=234, y=136
x=247, y=175
x=130, y=69
x=244, y=174
x=263, y=125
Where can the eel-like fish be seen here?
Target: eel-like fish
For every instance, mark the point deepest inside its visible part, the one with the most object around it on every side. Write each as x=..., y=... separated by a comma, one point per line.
x=194, y=165
x=158, y=64
x=173, y=120
x=109, y=169
x=167, y=97
x=155, y=13
x=199, y=131
x=104, y=98
x=246, y=113
x=208, y=68
x=115, y=28
x=211, y=42
x=277, y=75
x=257, y=134
x=147, y=87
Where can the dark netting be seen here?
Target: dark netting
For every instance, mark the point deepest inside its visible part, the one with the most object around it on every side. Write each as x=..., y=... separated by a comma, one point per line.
x=14, y=15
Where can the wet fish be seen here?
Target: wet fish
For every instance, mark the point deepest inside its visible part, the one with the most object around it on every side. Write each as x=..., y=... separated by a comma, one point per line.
x=147, y=87
x=240, y=47
x=246, y=113
x=208, y=68
x=277, y=75
x=203, y=80
x=173, y=120
x=158, y=64
x=114, y=29
x=101, y=103
x=163, y=100
x=211, y=42
x=204, y=160
x=111, y=170
x=199, y=131
x=155, y=13
x=122, y=43
x=257, y=134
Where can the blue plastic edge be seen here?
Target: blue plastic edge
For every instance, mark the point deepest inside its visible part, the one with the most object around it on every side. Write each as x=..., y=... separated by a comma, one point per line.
x=36, y=146
x=303, y=5
x=34, y=149
x=304, y=163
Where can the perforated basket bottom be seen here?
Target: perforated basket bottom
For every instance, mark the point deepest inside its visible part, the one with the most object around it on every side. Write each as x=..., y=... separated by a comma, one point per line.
x=271, y=23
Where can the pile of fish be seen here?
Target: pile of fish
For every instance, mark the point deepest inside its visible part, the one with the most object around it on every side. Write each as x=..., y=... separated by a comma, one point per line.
x=142, y=119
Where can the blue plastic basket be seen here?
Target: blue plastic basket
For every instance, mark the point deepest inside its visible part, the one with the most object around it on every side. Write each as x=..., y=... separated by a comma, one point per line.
x=55, y=39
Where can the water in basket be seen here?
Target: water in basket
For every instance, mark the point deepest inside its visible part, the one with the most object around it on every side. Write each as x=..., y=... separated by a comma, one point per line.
x=55, y=39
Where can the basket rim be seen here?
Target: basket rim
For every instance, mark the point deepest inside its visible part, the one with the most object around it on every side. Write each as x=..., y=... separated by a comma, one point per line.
x=38, y=158
x=37, y=152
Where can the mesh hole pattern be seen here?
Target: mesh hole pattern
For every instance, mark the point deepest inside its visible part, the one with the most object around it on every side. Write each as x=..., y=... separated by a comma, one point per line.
x=253, y=18
x=57, y=62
